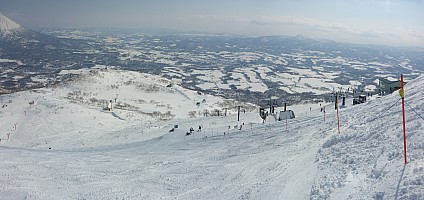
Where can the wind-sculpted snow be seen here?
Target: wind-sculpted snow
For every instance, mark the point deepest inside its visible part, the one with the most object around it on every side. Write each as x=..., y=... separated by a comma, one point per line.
x=64, y=146
x=366, y=160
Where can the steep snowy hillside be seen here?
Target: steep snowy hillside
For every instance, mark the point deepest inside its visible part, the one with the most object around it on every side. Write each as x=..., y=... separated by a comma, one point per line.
x=366, y=161
x=9, y=27
x=64, y=146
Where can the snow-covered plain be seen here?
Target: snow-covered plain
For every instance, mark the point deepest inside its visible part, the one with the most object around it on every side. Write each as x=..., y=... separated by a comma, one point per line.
x=64, y=146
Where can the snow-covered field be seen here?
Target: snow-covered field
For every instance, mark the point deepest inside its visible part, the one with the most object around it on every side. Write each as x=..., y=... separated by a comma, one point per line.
x=65, y=146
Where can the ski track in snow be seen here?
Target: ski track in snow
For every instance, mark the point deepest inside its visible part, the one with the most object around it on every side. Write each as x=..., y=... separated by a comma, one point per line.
x=60, y=151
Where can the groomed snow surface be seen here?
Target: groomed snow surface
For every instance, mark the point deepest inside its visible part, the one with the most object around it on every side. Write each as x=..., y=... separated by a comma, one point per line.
x=64, y=148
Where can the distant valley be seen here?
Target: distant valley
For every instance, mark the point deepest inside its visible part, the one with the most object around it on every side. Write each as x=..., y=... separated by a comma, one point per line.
x=291, y=69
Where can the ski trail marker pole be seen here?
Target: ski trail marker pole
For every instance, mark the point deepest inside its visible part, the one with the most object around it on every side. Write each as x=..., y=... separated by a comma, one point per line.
x=338, y=119
x=402, y=95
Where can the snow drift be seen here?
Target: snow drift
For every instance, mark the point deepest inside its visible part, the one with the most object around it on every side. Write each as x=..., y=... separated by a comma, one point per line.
x=367, y=160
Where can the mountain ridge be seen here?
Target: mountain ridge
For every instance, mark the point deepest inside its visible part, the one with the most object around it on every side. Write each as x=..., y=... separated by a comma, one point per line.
x=9, y=28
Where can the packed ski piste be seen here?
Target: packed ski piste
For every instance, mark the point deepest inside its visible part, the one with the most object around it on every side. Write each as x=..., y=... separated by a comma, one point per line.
x=114, y=134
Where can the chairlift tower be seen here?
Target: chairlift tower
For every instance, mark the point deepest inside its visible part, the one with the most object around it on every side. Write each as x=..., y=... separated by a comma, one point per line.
x=225, y=114
x=238, y=113
x=272, y=103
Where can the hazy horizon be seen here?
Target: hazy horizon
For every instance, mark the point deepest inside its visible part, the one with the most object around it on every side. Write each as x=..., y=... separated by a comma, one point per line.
x=382, y=22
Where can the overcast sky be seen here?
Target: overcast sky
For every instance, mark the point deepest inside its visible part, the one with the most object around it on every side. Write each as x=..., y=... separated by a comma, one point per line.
x=391, y=22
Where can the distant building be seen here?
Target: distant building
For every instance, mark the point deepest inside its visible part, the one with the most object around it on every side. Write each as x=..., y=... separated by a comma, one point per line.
x=288, y=114
x=388, y=85
x=109, y=106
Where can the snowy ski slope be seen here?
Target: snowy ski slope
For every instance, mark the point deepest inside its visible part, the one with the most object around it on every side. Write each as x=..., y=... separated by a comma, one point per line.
x=64, y=146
